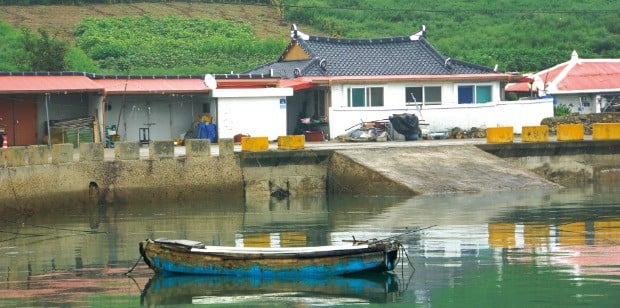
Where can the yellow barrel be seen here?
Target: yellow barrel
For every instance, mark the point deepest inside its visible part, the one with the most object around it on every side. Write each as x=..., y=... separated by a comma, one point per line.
x=291, y=142
x=254, y=144
x=605, y=131
x=570, y=132
x=538, y=133
x=504, y=134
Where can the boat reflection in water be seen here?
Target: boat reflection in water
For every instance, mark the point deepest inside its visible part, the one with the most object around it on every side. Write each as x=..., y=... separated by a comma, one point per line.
x=198, y=289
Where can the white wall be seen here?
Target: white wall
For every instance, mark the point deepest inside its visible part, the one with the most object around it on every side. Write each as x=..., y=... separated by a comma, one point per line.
x=394, y=93
x=574, y=101
x=442, y=117
x=256, y=112
x=255, y=116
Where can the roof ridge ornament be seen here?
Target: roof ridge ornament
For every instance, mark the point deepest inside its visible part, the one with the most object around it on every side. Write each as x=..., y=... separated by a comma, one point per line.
x=298, y=34
x=323, y=64
x=416, y=36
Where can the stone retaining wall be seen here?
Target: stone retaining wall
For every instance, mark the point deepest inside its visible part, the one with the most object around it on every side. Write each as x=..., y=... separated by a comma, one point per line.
x=586, y=119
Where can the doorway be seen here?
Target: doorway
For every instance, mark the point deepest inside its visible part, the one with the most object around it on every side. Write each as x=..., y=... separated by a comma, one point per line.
x=18, y=117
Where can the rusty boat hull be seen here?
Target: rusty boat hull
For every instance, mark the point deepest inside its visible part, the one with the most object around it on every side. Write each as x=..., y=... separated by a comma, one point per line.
x=188, y=257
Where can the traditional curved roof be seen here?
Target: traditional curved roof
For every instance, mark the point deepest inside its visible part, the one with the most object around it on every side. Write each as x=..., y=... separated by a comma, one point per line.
x=394, y=56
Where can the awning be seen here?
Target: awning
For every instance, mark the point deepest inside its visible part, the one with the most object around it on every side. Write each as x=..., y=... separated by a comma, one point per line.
x=246, y=83
x=152, y=86
x=518, y=87
x=46, y=84
x=297, y=84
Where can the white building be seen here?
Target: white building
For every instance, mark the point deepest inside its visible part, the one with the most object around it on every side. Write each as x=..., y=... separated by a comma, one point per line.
x=583, y=85
x=339, y=83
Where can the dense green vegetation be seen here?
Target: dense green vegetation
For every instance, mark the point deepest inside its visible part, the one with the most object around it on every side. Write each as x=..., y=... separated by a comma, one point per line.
x=525, y=36
x=24, y=50
x=485, y=32
x=9, y=47
x=79, y=2
x=173, y=45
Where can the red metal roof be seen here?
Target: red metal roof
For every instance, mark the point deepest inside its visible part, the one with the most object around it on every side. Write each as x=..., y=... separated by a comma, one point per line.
x=43, y=84
x=247, y=83
x=152, y=86
x=297, y=84
x=576, y=76
x=518, y=87
x=590, y=75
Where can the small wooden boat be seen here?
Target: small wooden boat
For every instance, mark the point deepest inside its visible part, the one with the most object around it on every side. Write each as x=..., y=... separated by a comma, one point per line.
x=189, y=257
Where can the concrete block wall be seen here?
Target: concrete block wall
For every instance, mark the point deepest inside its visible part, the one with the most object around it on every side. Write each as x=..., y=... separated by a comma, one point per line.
x=161, y=149
x=29, y=180
x=127, y=150
x=37, y=154
x=15, y=156
x=62, y=153
x=227, y=147
x=197, y=148
x=91, y=151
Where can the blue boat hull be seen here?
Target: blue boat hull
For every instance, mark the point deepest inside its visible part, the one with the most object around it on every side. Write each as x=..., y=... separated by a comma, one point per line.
x=174, y=259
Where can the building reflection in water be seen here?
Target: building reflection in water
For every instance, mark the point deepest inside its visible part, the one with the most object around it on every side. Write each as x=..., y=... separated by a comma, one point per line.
x=577, y=233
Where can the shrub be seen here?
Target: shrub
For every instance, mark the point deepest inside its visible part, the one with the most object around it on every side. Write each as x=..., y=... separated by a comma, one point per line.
x=561, y=110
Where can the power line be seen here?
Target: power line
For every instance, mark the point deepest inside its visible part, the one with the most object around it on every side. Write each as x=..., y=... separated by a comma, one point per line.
x=286, y=6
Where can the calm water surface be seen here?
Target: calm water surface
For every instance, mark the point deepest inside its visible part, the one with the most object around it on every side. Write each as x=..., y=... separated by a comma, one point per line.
x=528, y=248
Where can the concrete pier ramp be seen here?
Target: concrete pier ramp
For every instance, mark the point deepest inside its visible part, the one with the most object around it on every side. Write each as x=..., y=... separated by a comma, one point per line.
x=426, y=170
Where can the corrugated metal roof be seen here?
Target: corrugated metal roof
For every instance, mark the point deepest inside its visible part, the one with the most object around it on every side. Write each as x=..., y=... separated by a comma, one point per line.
x=152, y=86
x=577, y=76
x=44, y=84
x=590, y=75
x=297, y=83
x=518, y=87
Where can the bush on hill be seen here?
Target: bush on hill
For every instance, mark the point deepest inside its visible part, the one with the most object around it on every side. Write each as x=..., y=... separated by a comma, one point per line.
x=148, y=45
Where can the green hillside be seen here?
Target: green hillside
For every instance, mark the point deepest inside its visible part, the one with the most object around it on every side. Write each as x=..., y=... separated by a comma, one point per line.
x=200, y=37
x=526, y=35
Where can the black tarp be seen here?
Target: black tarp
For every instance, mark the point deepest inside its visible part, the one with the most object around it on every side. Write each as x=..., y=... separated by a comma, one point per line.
x=406, y=124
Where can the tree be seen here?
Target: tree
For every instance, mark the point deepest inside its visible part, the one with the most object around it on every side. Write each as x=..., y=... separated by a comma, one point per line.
x=43, y=52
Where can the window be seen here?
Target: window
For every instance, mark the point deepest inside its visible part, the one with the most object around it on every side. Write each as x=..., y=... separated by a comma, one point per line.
x=474, y=93
x=365, y=97
x=423, y=94
x=319, y=103
x=376, y=96
x=483, y=94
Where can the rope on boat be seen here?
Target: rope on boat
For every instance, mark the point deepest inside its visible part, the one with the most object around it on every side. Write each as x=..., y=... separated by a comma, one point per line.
x=134, y=266
x=403, y=252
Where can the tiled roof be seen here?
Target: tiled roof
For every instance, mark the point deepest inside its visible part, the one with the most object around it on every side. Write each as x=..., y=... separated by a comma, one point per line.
x=283, y=69
x=404, y=55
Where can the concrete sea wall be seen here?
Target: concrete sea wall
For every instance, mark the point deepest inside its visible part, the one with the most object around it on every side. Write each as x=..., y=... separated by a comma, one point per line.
x=566, y=163
x=36, y=180
x=28, y=188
